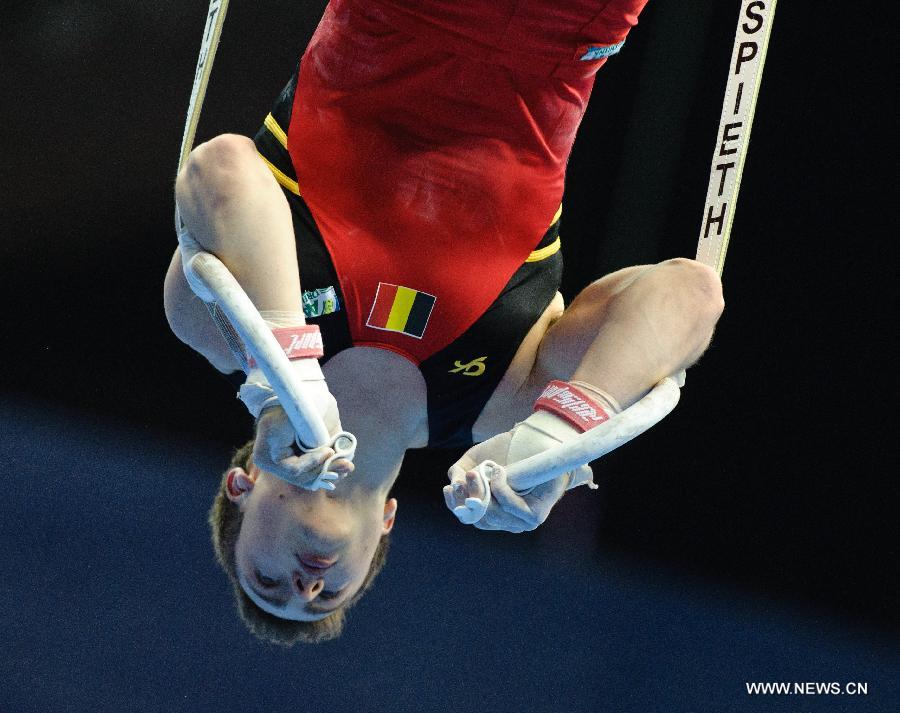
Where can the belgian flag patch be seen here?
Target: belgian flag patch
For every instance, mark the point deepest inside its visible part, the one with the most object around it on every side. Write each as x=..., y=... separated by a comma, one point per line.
x=400, y=309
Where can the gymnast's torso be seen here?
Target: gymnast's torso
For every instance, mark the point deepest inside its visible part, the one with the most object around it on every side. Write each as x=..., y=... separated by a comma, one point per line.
x=430, y=135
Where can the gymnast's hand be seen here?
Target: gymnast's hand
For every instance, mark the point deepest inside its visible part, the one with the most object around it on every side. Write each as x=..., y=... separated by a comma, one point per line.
x=275, y=449
x=507, y=509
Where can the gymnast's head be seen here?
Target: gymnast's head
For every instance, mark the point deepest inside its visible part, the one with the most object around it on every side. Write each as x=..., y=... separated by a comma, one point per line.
x=297, y=559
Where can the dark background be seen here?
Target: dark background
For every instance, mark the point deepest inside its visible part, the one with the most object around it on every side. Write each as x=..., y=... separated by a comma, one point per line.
x=771, y=481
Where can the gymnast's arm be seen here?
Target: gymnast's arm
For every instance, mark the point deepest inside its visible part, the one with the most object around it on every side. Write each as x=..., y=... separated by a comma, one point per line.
x=190, y=321
x=619, y=337
x=233, y=207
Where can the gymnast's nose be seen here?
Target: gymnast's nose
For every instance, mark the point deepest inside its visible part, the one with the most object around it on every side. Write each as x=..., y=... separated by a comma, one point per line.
x=307, y=585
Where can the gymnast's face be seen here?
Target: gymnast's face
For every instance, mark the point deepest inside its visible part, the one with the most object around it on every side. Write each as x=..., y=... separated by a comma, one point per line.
x=302, y=554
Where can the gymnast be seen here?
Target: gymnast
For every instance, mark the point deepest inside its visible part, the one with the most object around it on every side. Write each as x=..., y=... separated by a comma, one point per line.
x=397, y=216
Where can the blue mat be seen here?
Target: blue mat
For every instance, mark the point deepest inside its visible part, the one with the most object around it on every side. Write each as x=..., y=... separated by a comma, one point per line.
x=113, y=602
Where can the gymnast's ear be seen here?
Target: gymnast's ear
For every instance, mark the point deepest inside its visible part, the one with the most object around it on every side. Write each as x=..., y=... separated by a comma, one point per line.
x=238, y=483
x=390, y=513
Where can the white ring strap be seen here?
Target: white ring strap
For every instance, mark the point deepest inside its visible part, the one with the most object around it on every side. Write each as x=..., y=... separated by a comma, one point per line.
x=744, y=74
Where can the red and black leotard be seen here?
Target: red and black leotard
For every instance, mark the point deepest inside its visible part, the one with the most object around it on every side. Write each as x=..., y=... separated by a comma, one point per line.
x=428, y=140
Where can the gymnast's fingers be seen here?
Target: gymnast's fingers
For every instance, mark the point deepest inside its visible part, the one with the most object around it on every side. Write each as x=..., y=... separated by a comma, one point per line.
x=511, y=502
x=475, y=485
x=449, y=497
x=342, y=466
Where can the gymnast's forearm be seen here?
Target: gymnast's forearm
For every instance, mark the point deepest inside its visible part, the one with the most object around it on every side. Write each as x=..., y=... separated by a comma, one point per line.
x=234, y=208
x=190, y=321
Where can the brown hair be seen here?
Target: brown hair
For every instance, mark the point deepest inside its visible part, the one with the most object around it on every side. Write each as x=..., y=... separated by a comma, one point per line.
x=225, y=519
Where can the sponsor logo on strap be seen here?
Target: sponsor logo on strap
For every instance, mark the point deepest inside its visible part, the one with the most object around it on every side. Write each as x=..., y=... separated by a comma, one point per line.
x=300, y=342
x=303, y=342
x=569, y=403
x=475, y=367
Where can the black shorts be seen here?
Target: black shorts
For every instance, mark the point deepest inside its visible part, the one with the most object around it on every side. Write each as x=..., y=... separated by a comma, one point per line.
x=461, y=377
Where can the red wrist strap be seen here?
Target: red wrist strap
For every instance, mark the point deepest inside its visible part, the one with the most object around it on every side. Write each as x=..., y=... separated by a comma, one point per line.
x=300, y=342
x=572, y=405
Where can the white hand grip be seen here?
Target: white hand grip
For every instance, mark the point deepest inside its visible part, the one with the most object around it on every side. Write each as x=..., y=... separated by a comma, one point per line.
x=212, y=282
x=590, y=445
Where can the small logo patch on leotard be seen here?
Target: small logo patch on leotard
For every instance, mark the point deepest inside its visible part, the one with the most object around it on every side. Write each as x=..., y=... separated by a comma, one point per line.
x=401, y=309
x=586, y=53
x=321, y=301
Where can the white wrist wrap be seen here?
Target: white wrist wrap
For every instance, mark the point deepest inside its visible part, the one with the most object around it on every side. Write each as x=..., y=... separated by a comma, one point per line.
x=562, y=412
x=257, y=394
x=256, y=397
x=539, y=432
x=302, y=344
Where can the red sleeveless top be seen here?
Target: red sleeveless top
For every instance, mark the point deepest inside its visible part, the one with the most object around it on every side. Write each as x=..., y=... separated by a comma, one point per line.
x=430, y=139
